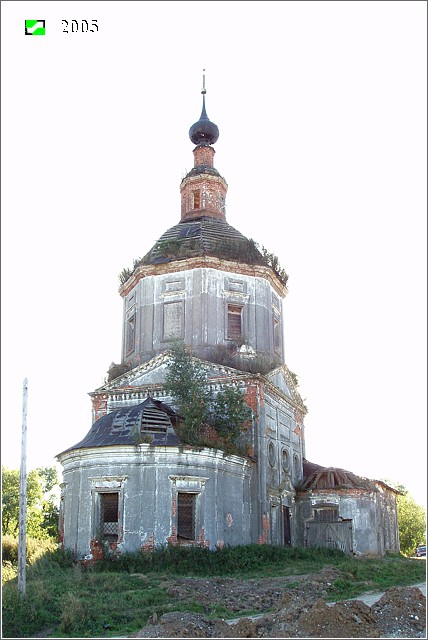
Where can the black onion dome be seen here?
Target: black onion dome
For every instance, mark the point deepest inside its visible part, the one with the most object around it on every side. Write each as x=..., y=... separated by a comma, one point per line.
x=149, y=422
x=204, y=132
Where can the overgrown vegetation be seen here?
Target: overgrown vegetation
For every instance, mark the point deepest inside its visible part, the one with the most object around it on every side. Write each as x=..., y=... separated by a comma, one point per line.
x=42, y=509
x=116, y=597
x=229, y=356
x=412, y=523
x=116, y=370
x=207, y=420
x=226, y=355
x=243, y=250
x=412, y=520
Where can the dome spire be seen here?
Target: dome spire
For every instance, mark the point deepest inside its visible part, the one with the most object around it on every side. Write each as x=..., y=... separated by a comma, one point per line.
x=203, y=132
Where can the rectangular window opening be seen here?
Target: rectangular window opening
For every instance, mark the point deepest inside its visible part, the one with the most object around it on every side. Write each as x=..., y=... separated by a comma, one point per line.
x=276, y=336
x=196, y=199
x=109, y=515
x=329, y=514
x=186, y=516
x=234, y=322
x=130, y=334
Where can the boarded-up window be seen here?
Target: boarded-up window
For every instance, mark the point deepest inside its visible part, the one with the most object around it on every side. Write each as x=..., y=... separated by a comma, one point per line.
x=276, y=336
x=234, y=322
x=130, y=334
x=109, y=515
x=172, y=320
x=196, y=199
x=186, y=515
x=326, y=514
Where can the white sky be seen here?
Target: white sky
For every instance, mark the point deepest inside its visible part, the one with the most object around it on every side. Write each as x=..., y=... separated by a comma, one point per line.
x=322, y=114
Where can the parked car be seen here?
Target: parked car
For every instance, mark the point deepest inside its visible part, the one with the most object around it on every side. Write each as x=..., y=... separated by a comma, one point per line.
x=421, y=550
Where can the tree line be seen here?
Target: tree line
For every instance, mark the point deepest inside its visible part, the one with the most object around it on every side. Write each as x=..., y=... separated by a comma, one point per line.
x=42, y=502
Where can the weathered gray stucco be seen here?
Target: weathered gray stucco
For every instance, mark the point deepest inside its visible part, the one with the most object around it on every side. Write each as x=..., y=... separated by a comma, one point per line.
x=192, y=305
x=240, y=500
x=251, y=499
x=148, y=479
x=207, y=285
x=368, y=516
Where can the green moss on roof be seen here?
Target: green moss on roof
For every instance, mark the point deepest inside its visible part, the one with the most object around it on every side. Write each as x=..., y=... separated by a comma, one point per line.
x=206, y=237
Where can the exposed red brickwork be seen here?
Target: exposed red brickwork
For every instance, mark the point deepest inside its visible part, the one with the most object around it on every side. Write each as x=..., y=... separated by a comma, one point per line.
x=174, y=505
x=251, y=396
x=97, y=550
x=172, y=539
x=211, y=199
x=203, y=155
x=266, y=526
x=298, y=416
x=201, y=539
x=99, y=406
x=149, y=545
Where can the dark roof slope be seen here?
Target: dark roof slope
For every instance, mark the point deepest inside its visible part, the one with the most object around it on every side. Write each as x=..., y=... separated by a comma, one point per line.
x=204, y=236
x=150, y=421
x=316, y=477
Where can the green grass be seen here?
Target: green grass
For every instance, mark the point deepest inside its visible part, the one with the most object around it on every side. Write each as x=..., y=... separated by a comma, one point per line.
x=117, y=597
x=376, y=574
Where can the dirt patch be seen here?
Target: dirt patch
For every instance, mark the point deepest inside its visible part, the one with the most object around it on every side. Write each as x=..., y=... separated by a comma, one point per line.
x=288, y=607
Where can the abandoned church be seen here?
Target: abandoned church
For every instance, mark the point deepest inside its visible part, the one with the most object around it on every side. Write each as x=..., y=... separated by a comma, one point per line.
x=132, y=483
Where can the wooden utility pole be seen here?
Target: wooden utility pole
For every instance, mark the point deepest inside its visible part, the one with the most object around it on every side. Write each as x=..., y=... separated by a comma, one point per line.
x=22, y=539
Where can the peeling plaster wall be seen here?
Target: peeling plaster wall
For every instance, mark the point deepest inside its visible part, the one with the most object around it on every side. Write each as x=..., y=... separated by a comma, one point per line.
x=279, y=457
x=192, y=305
x=148, y=479
x=373, y=516
x=244, y=501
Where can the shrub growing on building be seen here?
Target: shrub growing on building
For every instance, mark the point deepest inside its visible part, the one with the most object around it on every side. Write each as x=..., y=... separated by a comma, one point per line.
x=226, y=413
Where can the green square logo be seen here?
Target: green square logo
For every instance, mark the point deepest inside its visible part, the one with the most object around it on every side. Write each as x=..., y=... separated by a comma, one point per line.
x=35, y=27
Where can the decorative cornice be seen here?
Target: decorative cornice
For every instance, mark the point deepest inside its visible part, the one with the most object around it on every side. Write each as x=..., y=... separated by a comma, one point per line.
x=296, y=401
x=117, y=385
x=203, y=262
x=95, y=456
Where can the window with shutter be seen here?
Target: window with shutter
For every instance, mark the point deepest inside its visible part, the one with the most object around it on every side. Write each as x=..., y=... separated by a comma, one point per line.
x=196, y=199
x=130, y=334
x=234, y=322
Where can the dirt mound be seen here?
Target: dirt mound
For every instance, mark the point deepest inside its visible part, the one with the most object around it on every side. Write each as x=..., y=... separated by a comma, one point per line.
x=401, y=610
x=184, y=625
x=342, y=620
x=299, y=611
x=257, y=595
